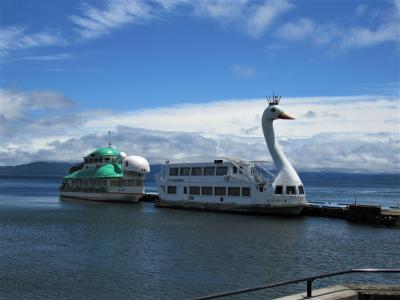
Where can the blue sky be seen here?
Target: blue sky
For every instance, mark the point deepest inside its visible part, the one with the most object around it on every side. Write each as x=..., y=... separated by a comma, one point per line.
x=79, y=63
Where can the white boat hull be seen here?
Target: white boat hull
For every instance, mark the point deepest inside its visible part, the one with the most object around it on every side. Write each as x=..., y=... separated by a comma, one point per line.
x=230, y=207
x=103, y=197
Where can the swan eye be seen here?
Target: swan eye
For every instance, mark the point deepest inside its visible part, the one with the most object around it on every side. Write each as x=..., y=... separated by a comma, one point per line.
x=273, y=109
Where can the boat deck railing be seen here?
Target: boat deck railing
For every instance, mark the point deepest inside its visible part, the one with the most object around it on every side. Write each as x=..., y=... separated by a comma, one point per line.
x=309, y=280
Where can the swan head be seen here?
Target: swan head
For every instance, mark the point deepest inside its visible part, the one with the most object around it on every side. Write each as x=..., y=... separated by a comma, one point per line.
x=274, y=111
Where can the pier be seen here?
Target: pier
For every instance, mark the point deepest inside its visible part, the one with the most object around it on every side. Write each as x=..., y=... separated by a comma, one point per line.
x=356, y=213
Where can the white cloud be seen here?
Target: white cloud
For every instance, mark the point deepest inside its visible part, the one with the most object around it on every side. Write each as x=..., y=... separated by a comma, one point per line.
x=49, y=57
x=95, y=22
x=297, y=30
x=249, y=17
x=357, y=133
x=352, y=152
x=342, y=114
x=222, y=11
x=339, y=38
x=263, y=16
x=15, y=104
x=363, y=37
x=242, y=71
x=14, y=38
x=252, y=18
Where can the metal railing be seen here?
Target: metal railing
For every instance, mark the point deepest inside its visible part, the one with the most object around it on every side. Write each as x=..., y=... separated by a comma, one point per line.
x=309, y=281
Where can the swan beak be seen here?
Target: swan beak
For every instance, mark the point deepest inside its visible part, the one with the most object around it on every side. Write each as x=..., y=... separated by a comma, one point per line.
x=285, y=116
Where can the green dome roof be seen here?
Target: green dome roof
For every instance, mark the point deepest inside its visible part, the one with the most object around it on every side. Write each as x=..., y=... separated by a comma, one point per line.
x=106, y=151
x=104, y=171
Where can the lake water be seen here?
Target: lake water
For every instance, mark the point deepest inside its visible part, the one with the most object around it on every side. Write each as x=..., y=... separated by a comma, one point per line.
x=52, y=249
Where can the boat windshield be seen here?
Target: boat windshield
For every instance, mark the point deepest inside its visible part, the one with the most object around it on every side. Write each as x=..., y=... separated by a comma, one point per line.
x=264, y=171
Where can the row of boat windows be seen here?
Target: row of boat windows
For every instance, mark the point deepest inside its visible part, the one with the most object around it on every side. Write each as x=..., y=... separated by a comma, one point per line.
x=103, y=182
x=290, y=190
x=98, y=160
x=201, y=171
x=210, y=191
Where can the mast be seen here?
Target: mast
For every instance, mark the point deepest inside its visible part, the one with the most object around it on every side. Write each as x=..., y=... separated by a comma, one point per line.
x=109, y=139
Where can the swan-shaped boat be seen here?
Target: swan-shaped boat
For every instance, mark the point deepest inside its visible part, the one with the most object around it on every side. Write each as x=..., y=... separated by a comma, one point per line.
x=236, y=185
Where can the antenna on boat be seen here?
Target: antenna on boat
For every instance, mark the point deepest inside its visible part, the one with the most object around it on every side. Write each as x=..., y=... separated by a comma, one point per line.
x=109, y=139
x=274, y=100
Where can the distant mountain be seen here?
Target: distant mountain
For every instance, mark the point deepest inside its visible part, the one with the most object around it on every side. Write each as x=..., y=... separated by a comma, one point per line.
x=40, y=168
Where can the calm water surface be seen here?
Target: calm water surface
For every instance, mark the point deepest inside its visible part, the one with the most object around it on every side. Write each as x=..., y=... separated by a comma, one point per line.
x=51, y=249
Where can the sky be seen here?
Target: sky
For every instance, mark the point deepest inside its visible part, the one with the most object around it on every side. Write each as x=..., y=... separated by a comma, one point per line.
x=179, y=79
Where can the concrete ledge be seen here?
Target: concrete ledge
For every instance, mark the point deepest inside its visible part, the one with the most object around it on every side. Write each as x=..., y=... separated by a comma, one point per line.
x=376, y=292
x=351, y=292
x=329, y=293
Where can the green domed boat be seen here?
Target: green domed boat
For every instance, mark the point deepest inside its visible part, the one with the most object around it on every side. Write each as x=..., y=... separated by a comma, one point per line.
x=106, y=174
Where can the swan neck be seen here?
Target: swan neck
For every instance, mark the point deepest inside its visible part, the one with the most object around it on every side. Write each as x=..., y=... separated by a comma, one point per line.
x=277, y=154
x=286, y=173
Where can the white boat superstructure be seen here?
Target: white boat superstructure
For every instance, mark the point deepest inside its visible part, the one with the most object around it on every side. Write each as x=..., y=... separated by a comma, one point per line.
x=225, y=185
x=233, y=184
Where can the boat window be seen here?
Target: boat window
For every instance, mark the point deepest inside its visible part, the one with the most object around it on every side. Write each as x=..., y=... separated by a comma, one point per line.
x=126, y=163
x=115, y=182
x=290, y=190
x=85, y=160
x=90, y=160
x=220, y=191
x=107, y=159
x=194, y=190
x=261, y=188
x=197, y=171
x=246, y=192
x=171, y=189
x=234, y=169
x=173, y=171
x=222, y=171
x=206, y=190
x=301, y=190
x=233, y=191
x=279, y=190
x=184, y=172
x=209, y=171
x=185, y=189
x=96, y=160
